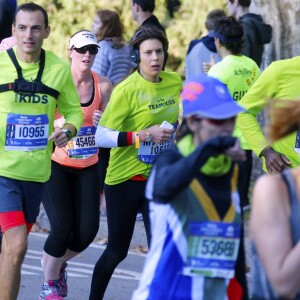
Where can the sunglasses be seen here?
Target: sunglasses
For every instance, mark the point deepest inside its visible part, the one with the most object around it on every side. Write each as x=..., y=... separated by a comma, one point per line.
x=216, y=122
x=83, y=50
x=221, y=122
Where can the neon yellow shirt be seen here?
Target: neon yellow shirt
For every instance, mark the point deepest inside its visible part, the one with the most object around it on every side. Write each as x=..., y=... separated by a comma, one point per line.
x=136, y=104
x=238, y=73
x=26, y=121
x=281, y=81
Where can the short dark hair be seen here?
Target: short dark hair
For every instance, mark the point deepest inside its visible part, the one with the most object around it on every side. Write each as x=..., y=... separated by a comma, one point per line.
x=32, y=7
x=148, y=33
x=232, y=31
x=243, y=3
x=213, y=17
x=146, y=5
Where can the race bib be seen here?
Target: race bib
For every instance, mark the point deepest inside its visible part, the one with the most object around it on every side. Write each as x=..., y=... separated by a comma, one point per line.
x=83, y=145
x=212, y=249
x=26, y=132
x=148, y=150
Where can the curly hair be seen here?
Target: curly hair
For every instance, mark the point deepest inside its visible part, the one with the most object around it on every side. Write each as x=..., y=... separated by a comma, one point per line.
x=231, y=29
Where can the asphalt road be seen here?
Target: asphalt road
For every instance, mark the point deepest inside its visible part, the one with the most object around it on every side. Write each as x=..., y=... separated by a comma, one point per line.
x=124, y=281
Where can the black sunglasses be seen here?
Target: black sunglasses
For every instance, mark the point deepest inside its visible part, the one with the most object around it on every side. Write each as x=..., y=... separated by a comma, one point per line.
x=217, y=122
x=92, y=49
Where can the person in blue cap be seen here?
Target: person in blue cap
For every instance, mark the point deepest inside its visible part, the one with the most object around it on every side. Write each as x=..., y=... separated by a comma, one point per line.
x=194, y=203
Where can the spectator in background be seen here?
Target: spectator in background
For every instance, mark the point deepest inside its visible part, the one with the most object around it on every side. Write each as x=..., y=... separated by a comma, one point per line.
x=275, y=219
x=256, y=32
x=71, y=198
x=142, y=13
x=112, y=59
x=200, y=51
x=7, y=13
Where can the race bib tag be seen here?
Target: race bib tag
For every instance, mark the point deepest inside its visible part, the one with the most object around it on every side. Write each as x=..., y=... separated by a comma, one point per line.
x=26, y=132
x=83, y=145
x=148, y=150
x=297, y=144
x=212, y=249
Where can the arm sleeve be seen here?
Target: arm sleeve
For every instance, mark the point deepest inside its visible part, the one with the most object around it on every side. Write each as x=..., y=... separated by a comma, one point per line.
x=173, y=172
x=254, y=101
x=106, y=138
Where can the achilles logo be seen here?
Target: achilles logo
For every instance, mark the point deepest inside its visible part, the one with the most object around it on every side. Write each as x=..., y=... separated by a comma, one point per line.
x=31, y=98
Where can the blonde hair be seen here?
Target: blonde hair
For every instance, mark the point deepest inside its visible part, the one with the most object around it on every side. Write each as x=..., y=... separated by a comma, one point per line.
x=284, y=118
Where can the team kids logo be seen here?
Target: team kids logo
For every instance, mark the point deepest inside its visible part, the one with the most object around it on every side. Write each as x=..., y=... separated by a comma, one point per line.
x=26, y=92
x=162, y=103
x=31, y=98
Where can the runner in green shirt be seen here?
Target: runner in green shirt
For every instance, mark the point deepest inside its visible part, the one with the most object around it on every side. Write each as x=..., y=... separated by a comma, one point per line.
x=33, y=83
x=238, y=72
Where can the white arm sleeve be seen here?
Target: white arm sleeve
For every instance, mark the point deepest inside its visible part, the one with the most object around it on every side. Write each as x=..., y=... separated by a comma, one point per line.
x=106, y=137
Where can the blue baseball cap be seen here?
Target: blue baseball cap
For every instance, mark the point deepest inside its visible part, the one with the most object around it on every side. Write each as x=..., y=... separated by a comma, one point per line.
x=208, y=97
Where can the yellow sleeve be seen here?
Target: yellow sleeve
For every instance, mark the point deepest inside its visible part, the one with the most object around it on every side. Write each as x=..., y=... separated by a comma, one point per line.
x=254, y=101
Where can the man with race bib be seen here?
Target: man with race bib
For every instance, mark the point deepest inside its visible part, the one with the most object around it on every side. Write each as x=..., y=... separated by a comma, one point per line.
x=33, y=83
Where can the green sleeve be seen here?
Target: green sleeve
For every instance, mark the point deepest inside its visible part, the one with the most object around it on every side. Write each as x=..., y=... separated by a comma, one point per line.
x=117, y=110
x=68, y=103
x=254, y=101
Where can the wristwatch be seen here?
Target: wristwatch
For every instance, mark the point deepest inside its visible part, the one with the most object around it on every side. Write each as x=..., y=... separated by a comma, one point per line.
x=148, y=137
x=68, y=133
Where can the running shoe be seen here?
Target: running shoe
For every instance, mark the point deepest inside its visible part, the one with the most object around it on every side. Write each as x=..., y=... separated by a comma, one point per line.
x=62, y=280
x=51, y=291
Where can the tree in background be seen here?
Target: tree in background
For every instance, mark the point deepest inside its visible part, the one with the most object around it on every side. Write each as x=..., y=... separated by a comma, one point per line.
x=67, y=17
x=182, y=24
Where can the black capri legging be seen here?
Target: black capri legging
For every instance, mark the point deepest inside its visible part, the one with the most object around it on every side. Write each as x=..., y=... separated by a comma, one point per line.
x=72, y=201
x=123, y=201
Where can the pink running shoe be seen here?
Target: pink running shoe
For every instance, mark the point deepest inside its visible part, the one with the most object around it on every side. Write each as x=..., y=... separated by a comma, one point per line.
x=51, y=291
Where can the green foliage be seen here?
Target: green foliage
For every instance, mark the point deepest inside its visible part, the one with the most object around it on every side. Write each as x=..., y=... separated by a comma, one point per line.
x=66, y=17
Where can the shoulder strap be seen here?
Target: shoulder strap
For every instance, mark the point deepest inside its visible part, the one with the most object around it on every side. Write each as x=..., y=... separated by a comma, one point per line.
x=13, y=58
x=36, y=86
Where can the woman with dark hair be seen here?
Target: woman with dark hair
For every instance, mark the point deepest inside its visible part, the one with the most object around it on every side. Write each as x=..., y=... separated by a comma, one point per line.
x=275, y=218
x=130, y=126
x=112, y=59
x=194, y=205
x=239, y=73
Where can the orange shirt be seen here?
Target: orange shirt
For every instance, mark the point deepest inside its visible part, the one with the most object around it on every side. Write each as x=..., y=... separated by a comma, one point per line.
x=81, y=151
